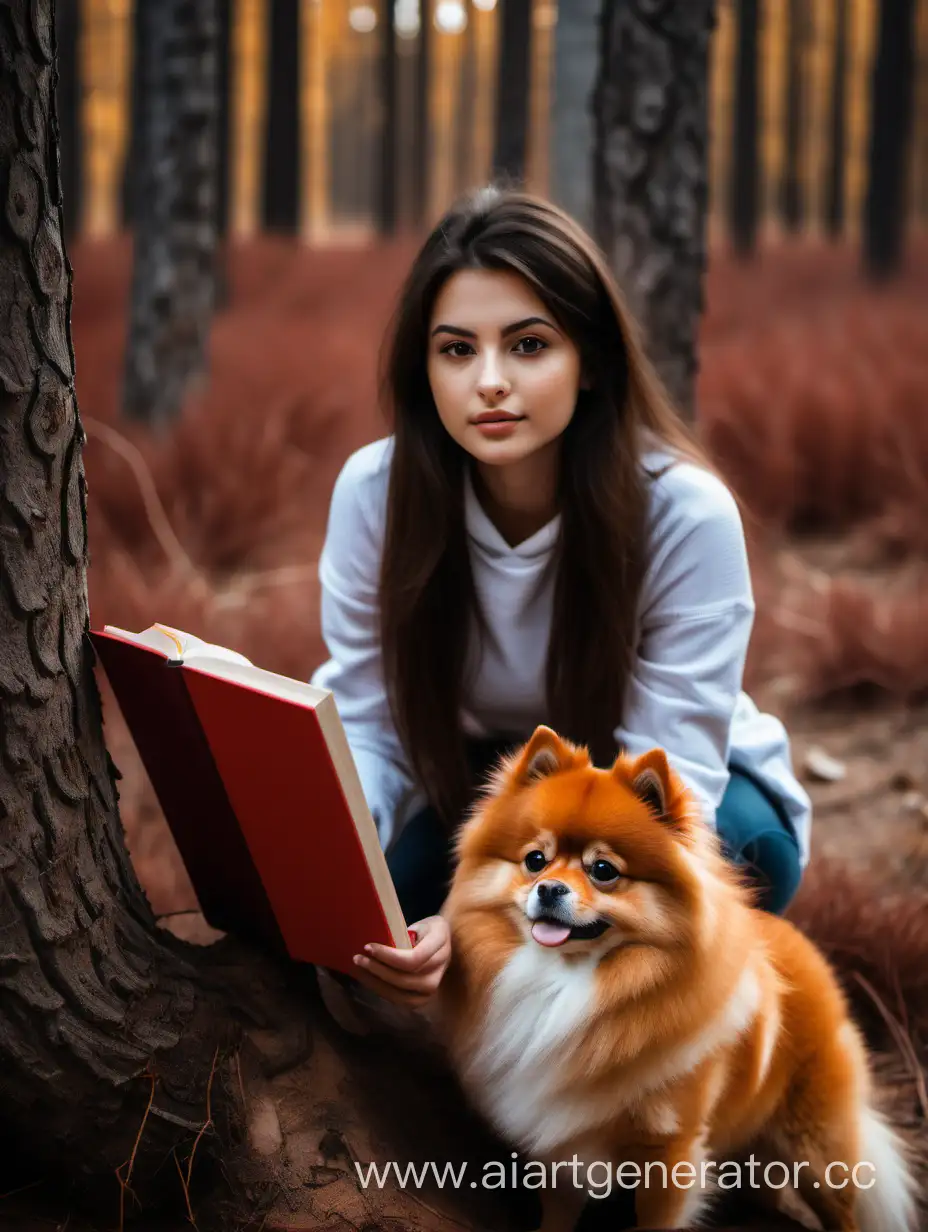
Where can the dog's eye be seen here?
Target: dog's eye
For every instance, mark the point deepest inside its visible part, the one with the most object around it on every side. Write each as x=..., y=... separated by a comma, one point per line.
x=535, y=861
x=602, y=870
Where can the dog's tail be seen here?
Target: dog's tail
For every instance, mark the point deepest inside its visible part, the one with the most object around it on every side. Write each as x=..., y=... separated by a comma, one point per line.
x=886, y=1188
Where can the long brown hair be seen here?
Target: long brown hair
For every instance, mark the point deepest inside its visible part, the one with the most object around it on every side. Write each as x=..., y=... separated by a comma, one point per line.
x=428, y=607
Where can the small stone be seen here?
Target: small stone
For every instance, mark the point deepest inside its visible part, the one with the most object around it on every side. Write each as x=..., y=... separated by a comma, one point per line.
x=264, y=1132
x=901, y=780
x=822, y=766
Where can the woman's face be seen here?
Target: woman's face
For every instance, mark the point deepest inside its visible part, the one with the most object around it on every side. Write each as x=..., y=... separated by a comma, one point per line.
x=504, y=376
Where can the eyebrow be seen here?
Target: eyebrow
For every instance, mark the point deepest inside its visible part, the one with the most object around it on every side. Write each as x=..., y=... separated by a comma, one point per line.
x=509, y=329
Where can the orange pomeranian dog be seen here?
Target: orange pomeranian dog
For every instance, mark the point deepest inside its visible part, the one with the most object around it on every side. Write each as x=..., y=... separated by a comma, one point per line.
x=614, y=997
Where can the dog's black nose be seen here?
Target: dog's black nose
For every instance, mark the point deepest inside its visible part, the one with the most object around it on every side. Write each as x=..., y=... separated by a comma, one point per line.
x=550, y=891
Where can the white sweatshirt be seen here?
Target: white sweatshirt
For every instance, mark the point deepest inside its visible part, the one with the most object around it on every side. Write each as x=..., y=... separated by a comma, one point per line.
x=696, y=614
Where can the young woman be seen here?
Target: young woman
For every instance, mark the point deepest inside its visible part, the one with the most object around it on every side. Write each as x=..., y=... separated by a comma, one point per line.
x=539, y=541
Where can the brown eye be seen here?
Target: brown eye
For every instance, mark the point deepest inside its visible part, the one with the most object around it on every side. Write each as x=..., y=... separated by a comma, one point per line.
x=535, y=861
x=604, y=872
x=535, y=344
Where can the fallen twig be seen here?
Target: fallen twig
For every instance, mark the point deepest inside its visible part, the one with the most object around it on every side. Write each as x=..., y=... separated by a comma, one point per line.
x=207, y=1124
x=124, y=1184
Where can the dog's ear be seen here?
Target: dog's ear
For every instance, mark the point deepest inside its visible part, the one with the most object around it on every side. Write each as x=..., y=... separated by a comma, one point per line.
x=649, y=779
x=544, y=754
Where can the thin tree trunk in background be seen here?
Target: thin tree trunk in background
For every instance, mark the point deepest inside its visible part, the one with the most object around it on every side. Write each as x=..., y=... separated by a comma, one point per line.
x=422, y=137
x=387, y=186
x=744, y=187
x=837, y=125
x=282, y=146
x=514, y=83
x=135, y=157
x=463, y=120
x=173, y=285
x=891, y=115
x=651, y=172
x=224, y=118
x=223, y=147
x=791, y=206
x=69, y=109
x=576, y=55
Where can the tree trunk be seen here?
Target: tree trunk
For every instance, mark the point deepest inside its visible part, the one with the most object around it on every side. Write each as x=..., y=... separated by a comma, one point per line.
x=135, y=158
x=96, y=1005
x=837, y=125
x=174, y=277
x=224, y=117
x=422, y=135
x=576, y=54
x=463, y=120
x=745, y=187
x=69, y=108
x=891, y=114
x=283, y=156
x=513, y=88
x=389, y=122
x=650, y=171
x=791, y=205
x=223, y=148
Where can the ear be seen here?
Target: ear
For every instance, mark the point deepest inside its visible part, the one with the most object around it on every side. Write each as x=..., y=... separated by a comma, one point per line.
x=649, y=779
x=544, y=754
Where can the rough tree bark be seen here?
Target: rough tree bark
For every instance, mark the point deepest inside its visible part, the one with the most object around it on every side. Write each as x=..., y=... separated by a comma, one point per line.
x=174, y=206
x=69, y=108
x=650, y=171
x=92, y=999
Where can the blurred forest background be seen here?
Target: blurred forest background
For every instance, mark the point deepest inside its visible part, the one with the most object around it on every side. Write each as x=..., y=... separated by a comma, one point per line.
x=339, y=134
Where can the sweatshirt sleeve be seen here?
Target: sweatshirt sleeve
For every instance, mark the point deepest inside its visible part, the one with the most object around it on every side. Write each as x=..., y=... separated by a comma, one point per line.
x=697, y=615
x=349, y=569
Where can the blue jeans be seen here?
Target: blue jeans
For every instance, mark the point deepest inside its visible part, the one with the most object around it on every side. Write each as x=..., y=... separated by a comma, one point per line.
x=753, y=832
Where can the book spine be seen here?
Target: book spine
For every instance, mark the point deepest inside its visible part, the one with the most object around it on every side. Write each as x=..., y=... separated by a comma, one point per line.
x=175, y=753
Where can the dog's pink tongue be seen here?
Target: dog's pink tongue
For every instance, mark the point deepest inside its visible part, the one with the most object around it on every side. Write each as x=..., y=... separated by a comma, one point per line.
x=546, y=932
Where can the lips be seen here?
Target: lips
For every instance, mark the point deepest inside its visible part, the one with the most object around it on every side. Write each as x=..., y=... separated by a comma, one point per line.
x=497, y=417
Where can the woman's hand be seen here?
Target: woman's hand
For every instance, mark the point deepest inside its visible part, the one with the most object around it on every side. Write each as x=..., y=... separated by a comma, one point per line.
x=408, y=977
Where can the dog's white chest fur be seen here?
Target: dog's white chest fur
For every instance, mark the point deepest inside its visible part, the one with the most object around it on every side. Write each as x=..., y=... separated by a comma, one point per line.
x=537, y=1004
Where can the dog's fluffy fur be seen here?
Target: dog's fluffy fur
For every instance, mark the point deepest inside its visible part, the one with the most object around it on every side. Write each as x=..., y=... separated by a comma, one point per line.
x=615, y=996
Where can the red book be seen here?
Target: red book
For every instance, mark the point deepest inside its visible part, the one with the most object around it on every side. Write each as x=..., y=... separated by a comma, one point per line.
x=257, y=783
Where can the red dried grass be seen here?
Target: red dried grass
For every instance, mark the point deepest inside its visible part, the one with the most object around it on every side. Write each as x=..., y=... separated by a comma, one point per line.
x=877, y=942
x=811, y=398
x=813, y=389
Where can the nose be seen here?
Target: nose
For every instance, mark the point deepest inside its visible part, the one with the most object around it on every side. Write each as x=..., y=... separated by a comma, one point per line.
x=550, y=891
x=492, y=385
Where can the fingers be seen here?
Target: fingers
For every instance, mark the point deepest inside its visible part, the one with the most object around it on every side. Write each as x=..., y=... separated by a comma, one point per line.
x=407, y=977
x=433, y=937
x=425, y=978
x=398, y=996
